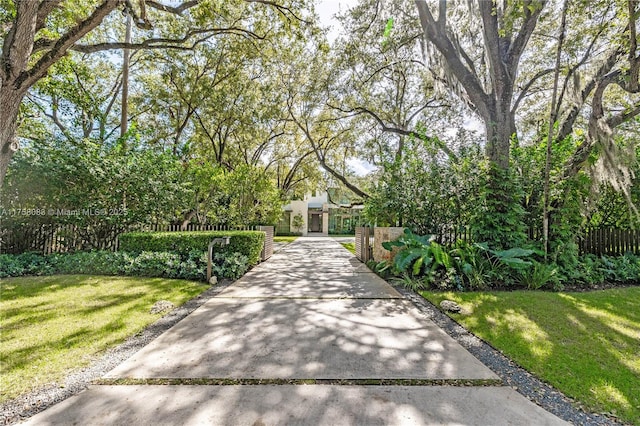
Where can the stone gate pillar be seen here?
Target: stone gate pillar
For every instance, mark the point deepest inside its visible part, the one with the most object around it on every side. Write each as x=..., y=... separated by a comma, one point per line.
x=381, y=235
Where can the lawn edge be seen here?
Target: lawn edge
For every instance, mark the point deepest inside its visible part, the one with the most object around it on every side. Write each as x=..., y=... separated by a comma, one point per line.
x=21, y=408
x=513, y=375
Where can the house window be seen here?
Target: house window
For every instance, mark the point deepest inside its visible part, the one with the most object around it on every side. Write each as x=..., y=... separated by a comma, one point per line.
x=284, y=226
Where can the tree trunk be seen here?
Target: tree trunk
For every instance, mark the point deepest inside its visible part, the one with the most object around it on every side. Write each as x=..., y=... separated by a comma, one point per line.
x=125, y=81
x=500, y=129
x=9, y=107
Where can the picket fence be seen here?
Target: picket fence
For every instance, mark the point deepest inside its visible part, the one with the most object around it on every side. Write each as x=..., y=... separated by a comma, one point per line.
x=67, y=238
x=49, y=239
x=602, y=241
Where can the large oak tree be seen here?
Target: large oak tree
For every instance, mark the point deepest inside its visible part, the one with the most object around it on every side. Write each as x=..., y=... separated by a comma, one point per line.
x=38, y=33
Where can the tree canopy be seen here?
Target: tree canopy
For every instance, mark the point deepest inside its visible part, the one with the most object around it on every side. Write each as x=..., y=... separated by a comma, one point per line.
x=246, y=104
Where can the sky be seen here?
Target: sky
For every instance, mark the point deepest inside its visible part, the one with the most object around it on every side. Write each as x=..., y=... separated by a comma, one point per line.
x=327, y=8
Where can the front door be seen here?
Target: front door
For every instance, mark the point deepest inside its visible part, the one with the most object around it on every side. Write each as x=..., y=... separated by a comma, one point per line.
x=315, y=223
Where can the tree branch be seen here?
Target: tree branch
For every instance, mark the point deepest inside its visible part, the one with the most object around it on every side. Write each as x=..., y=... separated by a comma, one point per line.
x=167, y=43
x=527, y=86
x=45, y=8
x=569, y=121
x=321, y=157
x=467, y=79
x=441, y=145
x=16, y=48
x=518, y=45
x=616, y=120
x=285, y=11
x=30, y=77
x=175, y=10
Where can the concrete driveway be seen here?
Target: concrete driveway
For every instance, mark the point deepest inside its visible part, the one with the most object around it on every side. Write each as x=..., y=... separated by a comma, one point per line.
x=309, y=337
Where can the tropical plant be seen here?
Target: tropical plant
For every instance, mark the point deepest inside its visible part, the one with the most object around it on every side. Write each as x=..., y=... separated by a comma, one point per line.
x=421, y=256
x=541, y=275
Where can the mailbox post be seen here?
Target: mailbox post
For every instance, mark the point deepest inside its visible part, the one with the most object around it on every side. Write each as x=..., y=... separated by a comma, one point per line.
x=223, y=241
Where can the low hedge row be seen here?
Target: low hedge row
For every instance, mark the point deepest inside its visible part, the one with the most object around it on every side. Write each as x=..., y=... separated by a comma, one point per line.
x=249, y=243
x=193, y=266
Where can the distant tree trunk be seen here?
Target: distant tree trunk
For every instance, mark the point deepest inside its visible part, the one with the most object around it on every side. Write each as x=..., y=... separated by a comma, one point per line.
x=552, y=119
x=125, y=80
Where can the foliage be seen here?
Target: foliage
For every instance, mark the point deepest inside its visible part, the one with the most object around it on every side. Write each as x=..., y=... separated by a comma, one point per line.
x=249, y=243
x=584, y=344
x=239, y=197
x=298, y=222
x=411, y=282
x=109, y=189
x=230, y=265
x=102, y=188
x=541, y=275
x=593, y=270
x=424, y=191
x=419, y=254
x=94, y=262
x=471, y=265
x=499, y=217
x=52, y=326
x=192, y=266
x=153, y=264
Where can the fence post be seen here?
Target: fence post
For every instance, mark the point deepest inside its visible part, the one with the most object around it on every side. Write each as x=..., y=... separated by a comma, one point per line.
x=363, y=247
x=267, y=248
x=385, y=234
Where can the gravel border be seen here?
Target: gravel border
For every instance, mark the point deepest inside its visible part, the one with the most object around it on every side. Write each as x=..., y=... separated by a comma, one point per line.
x=25, y=406
x=512, y=375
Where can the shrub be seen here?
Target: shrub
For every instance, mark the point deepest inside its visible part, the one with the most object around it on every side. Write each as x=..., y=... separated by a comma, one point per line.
x=147, y=264
x=24, y=264
x=154, y=264
x=621, y=269
x=249, y=243
x=10, y=266
x=232, y=265
x=94, y=262
x=470, y=266
x=541, y=275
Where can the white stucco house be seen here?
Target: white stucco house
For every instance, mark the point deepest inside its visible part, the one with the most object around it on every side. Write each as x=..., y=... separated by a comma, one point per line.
x=320, y=216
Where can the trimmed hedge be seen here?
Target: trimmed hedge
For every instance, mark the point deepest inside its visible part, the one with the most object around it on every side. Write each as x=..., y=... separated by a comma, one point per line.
x=249, y=243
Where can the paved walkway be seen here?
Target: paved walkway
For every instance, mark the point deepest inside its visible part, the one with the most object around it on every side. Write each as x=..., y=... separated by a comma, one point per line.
x=309, y=337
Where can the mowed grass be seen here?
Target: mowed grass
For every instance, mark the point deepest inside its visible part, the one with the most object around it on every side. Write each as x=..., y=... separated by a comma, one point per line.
x=350, y=246
x=587, y=345
x=284, y=239
x=53, y=325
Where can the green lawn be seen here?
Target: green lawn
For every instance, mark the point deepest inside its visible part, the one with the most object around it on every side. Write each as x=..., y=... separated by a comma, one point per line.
x=587, y=345
x=52, y=325
x=350, y=246
x=284, y=239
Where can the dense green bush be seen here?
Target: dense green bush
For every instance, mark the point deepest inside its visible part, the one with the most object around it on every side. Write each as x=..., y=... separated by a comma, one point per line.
x=94, y=262
x=423, y=263
x=233, y=265
x=193, y=266
x=249, y=243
